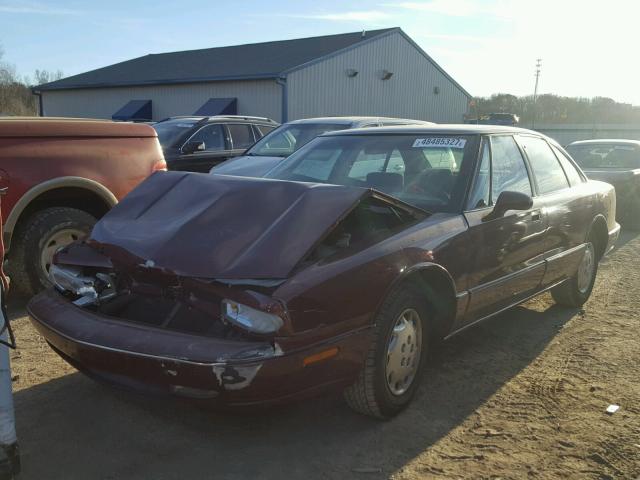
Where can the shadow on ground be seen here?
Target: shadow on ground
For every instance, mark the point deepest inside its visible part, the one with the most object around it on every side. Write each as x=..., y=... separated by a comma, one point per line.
x=74, y=428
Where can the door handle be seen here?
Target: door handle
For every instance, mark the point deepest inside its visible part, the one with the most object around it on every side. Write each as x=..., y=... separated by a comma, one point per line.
x=536, y=216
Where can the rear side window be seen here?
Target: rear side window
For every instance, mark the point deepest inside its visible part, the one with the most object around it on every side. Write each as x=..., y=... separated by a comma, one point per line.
x=241, y=135
x=509, y=172
x=572, y=174
x=546, y=168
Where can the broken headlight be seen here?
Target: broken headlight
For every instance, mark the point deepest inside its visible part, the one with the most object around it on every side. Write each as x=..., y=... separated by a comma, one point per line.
x=88, y=289
x=249, y=318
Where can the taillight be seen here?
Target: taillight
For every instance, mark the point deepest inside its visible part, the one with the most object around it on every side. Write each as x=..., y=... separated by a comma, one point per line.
x=160, y=165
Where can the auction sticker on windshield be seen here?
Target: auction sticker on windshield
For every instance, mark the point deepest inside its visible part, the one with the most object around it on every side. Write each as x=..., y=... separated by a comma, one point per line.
x=450, y=142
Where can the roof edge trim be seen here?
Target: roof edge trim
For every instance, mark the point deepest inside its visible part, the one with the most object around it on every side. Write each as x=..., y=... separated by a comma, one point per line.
x=265, y=76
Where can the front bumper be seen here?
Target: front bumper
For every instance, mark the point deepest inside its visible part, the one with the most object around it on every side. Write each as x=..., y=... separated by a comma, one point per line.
x=153, y=360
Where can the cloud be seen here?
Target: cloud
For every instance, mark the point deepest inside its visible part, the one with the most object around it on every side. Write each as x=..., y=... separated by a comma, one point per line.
x=456, y=8
x=353, y=16
x=35, y=8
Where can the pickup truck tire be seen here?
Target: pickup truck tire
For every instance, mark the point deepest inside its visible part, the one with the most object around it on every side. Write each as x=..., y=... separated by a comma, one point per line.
x=42, y=234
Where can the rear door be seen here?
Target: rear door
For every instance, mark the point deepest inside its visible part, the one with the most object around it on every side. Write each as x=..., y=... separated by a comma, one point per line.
x=558, y=186
x=508, y=252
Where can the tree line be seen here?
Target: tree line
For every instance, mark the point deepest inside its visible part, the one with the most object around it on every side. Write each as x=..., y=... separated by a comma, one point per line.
x=15, y=90
x=550, y=108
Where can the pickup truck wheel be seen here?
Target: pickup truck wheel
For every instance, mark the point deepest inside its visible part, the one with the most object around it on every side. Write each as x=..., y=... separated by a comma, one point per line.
x=41, y=236
x=396, y=357
x=575, y=291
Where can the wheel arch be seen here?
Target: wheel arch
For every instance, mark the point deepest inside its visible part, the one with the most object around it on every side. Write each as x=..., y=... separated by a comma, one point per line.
x=439, y=289
x=61, y=191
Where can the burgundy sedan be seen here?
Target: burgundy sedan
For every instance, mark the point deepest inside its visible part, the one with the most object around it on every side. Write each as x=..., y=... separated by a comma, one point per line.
x=337, y=271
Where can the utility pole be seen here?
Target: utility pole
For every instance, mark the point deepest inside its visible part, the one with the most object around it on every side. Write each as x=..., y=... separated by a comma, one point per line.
x=535, y=91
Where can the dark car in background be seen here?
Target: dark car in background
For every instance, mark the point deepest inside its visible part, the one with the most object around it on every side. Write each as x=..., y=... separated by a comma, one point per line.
x=373, y=244
x=196, y=144
x=289, y=137
x=616, y=162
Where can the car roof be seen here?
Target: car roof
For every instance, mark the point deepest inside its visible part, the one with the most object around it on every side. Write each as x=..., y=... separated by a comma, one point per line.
x=600, y=141
x=438, y=129
x=355, y=120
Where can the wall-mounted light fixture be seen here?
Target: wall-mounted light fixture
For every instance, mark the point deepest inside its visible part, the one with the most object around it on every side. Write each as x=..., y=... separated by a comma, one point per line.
x=436, y=90
x=351, y=72
x=386, y=75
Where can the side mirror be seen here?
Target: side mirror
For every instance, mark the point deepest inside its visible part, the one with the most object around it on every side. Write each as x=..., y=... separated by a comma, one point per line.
x=510, y=201
x=191, y=147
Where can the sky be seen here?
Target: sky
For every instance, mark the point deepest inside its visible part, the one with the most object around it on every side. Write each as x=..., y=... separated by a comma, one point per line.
x=588, y=48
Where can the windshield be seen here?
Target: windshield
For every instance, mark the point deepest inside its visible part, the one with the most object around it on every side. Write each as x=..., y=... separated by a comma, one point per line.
x=427, y=171
x=285, y=140
x=605, y=156
x=170, y=131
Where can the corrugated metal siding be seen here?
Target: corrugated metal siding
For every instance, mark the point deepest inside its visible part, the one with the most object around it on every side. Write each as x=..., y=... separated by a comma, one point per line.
x=255, y=97
x=324, y=89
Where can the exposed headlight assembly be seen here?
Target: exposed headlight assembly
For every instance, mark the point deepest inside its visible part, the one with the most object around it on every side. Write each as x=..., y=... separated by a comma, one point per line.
x=249, y=318
x=90, y=290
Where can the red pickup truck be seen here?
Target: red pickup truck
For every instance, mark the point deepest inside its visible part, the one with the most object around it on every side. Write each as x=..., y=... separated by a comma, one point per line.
x=62, y=175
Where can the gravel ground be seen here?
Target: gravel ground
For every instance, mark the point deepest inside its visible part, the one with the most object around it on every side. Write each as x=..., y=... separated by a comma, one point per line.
x=522, y=395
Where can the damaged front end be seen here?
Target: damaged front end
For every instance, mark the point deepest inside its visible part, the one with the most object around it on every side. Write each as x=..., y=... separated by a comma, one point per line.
x=145, y=295
x=238, y=323
x=177, y=288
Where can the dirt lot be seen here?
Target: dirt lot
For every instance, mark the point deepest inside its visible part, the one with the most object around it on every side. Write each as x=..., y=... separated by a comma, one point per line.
x=521, y=396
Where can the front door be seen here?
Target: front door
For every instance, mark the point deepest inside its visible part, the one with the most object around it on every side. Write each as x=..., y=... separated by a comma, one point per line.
x=508, y=251
x=216, y=148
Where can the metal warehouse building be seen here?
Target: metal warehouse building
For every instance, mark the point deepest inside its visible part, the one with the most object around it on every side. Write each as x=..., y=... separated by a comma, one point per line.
x=378, y=72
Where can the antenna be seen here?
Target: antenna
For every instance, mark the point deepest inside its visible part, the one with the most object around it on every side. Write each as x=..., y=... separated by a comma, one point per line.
x=535, y=90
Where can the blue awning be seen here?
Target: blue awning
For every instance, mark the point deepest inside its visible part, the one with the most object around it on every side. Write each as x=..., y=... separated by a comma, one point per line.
x=136, y=110
x=219, y=106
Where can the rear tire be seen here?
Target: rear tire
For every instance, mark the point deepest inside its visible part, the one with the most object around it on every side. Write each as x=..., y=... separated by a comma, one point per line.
x=575, y=291
x=396, y=358
x=35, y=243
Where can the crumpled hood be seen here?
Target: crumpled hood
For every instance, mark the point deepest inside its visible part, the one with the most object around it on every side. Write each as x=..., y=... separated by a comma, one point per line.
x=214, y=226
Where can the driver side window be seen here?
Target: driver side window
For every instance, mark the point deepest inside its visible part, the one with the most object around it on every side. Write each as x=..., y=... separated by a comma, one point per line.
x=508, y=170
x=212, y=136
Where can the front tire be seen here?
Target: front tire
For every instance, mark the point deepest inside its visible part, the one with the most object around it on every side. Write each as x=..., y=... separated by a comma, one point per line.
x=396, y=357
x=40, y=237
x=575, y=291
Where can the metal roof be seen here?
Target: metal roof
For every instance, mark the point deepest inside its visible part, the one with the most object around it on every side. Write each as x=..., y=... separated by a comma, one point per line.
x=239, y=62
